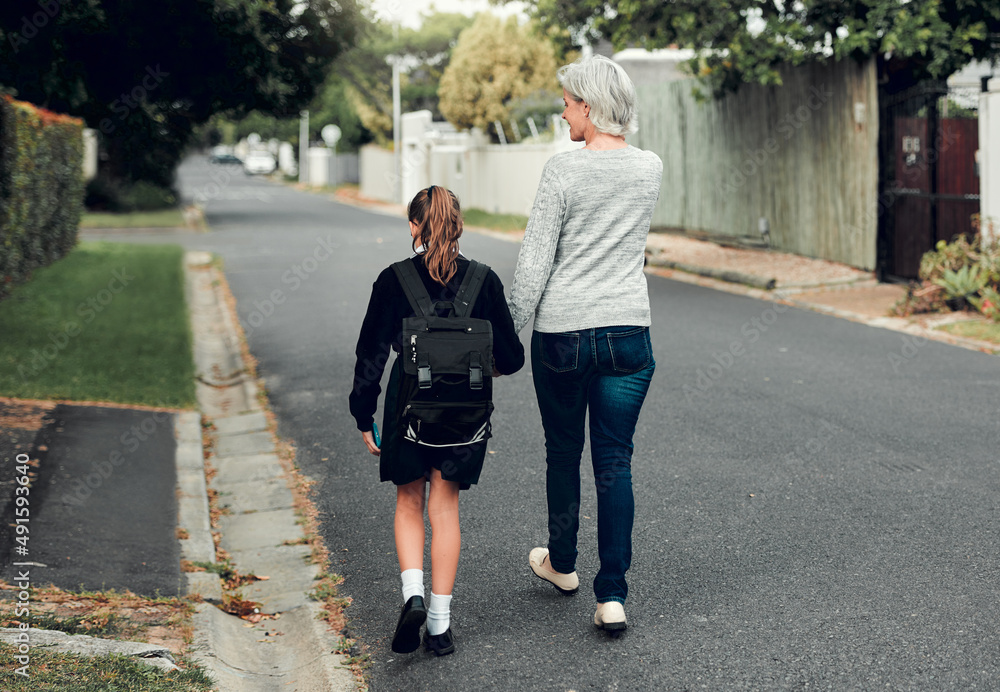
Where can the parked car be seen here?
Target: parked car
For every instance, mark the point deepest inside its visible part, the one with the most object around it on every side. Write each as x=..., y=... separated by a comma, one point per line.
x=228, y=159
x=259, y=162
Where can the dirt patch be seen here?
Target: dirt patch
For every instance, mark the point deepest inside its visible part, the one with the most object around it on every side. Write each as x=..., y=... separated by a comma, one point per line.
x=871, y=301
x=123, y=616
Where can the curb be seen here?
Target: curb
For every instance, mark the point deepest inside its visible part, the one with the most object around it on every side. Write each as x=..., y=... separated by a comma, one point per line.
x=286, y=645
x=720, y=274
x=785, y=296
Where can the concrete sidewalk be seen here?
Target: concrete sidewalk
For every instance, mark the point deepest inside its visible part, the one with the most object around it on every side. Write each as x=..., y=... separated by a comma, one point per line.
x=287, y=645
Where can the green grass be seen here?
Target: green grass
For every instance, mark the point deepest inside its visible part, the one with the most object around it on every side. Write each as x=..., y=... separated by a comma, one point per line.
x=984, y=330
x=108, y=322
x=56, y=672
x=498, y=222
x=166, y=218
x=77, y=624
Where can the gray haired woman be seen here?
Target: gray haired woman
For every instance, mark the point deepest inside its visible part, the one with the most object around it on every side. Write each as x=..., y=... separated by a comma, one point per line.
x=580, y=275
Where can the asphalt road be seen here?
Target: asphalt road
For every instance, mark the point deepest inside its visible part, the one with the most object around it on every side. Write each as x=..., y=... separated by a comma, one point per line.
x=819, y=510
x=102, y=513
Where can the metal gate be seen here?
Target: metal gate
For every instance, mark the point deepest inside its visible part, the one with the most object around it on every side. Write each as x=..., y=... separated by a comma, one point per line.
x=928, y=180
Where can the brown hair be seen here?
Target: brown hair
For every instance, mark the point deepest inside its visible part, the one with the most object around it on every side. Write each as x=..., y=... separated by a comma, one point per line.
x=436, y=213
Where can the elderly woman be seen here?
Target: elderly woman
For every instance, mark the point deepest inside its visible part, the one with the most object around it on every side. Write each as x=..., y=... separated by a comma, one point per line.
x=579, y=274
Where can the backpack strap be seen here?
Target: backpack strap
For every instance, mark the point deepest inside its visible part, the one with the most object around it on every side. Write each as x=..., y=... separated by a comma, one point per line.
x=413, y=287
x=475, y=275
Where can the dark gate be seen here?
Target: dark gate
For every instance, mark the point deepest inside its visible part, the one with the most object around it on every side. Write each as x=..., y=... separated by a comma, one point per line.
x=928, y=182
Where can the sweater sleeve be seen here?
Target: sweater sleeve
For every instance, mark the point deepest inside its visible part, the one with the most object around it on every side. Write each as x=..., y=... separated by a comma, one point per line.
x=378, y=331
x=541, y=238
x=508, y=352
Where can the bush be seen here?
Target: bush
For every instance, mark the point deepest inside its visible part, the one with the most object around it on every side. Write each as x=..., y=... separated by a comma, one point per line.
x=957, y=275
x=107, y=194
x=41, y=188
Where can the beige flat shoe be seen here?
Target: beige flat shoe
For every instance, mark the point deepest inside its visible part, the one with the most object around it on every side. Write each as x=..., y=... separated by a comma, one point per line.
x=567, y=584
x=610, y=617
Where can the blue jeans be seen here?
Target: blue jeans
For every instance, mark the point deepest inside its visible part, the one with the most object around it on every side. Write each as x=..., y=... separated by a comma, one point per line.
x=607, y=370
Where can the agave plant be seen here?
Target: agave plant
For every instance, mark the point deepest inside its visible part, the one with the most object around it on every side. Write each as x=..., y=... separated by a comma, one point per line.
x=960, y=285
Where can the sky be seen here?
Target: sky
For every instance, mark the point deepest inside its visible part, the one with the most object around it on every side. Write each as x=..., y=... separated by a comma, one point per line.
x=408, y=11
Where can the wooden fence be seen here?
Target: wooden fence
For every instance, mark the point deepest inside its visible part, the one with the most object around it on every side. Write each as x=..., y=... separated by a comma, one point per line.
x=804, y=156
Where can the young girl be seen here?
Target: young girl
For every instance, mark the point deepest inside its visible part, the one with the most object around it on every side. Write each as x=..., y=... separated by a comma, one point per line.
x=435, y=225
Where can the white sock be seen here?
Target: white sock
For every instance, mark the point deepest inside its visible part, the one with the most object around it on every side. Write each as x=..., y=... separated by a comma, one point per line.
x=439, y=614
x=413, y=583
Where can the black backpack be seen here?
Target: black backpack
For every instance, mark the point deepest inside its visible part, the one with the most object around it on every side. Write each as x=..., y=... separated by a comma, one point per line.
x=446, y=391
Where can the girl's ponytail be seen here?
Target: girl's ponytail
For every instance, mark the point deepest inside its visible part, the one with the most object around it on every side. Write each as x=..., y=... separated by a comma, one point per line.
x=437, y=214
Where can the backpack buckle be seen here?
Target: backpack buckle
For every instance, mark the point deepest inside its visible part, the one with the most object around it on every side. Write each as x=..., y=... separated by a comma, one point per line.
x=424, y=377
x=475, y=371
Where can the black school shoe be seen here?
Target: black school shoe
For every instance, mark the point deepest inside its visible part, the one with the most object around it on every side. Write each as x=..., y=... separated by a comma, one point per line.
x=440, y=644
x=411, y=619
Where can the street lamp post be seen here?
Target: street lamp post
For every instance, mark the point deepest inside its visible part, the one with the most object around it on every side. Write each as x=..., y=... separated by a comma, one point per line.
x=397, y=117
x=304, y=147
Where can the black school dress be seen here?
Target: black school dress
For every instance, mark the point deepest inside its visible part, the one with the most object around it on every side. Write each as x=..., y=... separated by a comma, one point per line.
x=402, y=461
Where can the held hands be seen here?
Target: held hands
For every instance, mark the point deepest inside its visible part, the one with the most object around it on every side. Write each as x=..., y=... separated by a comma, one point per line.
x=369, y=439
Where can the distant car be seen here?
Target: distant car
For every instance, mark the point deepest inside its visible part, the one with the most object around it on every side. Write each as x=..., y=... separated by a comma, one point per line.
x=259, y=162
x=227, y=159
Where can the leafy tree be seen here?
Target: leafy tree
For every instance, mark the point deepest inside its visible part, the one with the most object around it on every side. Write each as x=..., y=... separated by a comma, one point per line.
x=424, y=53
x=330, y=106
x=742, y=41
x=144, y=74
x=496, y=65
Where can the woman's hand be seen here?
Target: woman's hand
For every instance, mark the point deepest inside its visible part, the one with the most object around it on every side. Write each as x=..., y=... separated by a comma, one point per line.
x=369, y=438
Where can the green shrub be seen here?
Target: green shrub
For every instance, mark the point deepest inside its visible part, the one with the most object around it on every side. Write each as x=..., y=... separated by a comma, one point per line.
x=108, y=194
x=988, y=303
x=958, y=275
x=41, y=188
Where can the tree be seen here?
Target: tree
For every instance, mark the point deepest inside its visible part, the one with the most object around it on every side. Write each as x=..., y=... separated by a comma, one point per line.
x=496, y=65
x=424, y=53
x=330, y=106
x=144, y=74
x=741, y=41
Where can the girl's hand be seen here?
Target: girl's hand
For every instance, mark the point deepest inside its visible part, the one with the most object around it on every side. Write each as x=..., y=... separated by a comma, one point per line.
x=369, y=439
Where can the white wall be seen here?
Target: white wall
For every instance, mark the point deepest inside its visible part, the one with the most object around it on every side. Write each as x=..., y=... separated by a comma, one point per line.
x=497, y=178
x=89, y=153
x=989, y=158
x=376, y=173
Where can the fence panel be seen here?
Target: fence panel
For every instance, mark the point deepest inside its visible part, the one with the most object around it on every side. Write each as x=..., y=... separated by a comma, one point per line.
x=804, y=156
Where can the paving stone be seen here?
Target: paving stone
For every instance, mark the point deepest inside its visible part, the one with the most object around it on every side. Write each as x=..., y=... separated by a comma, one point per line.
x=291, y=575
x=205, y=584
x=244, y=444
x=258, y=530
x=260, y=467
x=243, y=423
x=255, y=496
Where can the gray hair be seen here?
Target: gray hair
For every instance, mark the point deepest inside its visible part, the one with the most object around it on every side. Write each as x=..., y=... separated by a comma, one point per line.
x=605, y=86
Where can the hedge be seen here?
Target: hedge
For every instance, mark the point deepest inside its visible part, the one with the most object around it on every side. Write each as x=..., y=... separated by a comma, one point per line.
x=41, y=188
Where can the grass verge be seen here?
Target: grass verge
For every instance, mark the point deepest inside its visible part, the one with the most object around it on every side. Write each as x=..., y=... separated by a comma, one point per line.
x=165, y=218
x=109, y=615
x=497, y=222
x=108, y=322
x=983, y=330
x=48, y=670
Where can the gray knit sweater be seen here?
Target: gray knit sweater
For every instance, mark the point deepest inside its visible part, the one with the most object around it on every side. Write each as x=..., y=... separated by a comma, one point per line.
x=580, y=265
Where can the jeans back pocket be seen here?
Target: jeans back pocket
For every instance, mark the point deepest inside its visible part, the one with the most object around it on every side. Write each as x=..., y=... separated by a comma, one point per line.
x=630, y=351
x=559, y=352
